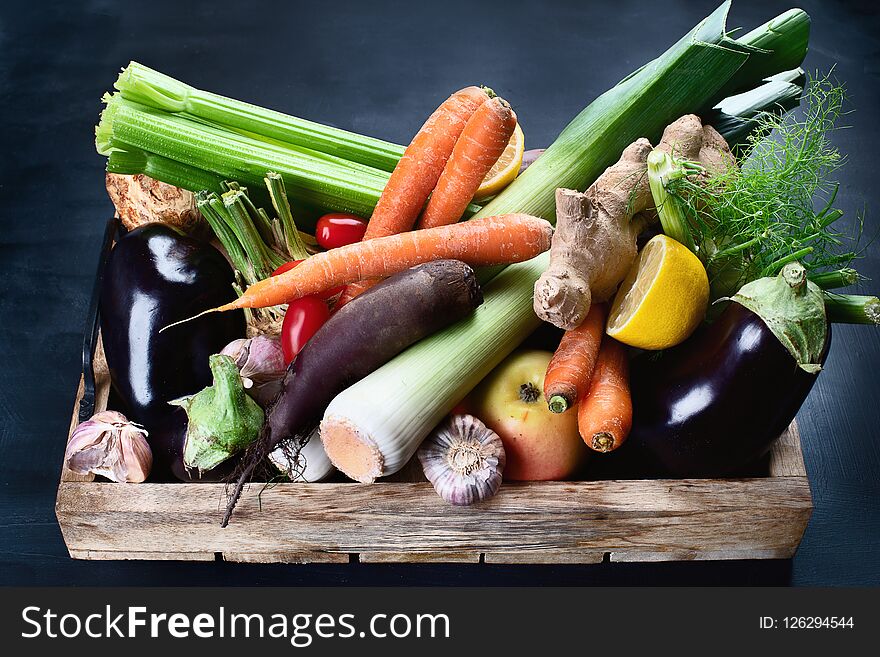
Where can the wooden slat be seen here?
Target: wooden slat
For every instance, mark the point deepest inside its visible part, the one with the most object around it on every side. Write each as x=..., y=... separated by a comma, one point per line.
x=103, y=555
x=786, y=456
x=701, y=555
x=545, y=557
x=667, y=517
x=419, y=557
x=67, y=474
x=287, y=557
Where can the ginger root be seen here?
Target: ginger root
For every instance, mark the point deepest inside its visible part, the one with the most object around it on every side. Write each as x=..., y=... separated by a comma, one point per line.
x=594, y=245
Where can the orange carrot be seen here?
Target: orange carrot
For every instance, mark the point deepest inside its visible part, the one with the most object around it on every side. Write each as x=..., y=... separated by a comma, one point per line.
x=417, y=172
x=481, y=242
x=419, y=169
x=571, y=368
x=481, y=143
x=605, y=415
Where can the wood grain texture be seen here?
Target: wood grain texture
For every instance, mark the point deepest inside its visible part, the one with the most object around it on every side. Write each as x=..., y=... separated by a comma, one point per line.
x=420, y=557
x=786, y=458
x=280, y=556
x=104, y=555
x=524, y=523
x=545, y=557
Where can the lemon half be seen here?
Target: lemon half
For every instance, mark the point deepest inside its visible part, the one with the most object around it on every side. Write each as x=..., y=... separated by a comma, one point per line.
x=663, y=298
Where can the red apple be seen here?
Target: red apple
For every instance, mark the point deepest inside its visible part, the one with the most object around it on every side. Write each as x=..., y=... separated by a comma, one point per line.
x=539, y=445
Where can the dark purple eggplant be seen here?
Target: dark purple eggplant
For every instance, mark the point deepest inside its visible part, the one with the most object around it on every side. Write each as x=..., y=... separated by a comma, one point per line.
x=718, y=401
x=155, y=276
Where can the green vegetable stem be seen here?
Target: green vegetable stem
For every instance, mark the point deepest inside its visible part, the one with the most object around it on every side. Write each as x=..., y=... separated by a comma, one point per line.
x=222, y=419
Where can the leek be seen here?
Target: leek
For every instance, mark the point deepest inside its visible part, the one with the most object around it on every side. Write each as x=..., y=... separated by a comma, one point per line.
x=398, y=404
x=737, y=117
x=159, y=91
x=402, y=401
x=694, y=73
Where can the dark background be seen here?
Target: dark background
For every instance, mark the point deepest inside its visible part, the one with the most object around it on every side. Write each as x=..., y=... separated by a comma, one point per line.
x=376, y=68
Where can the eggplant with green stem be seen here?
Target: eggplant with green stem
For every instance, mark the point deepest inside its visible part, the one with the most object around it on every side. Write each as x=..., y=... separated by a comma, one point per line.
x=718, y=401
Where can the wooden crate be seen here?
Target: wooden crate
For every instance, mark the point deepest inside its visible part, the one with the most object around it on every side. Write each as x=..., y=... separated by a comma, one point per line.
x=538, y=522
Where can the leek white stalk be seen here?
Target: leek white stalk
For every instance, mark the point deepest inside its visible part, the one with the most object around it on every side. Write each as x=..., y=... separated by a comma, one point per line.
x=373, y=428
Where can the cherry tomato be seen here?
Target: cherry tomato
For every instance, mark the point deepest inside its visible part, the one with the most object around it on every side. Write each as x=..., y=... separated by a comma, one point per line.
x=326, y=294
x=287, y=266
x=304, y=317
x=338, y=229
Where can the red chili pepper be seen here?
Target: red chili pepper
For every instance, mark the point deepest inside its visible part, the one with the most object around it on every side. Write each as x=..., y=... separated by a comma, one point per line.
x=303, y=318
x=339, y=229
x=326, y=295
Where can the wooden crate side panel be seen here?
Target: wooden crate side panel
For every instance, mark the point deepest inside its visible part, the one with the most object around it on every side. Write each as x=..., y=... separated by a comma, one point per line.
x=524, y=523
x=415, y=556
x=786, y=455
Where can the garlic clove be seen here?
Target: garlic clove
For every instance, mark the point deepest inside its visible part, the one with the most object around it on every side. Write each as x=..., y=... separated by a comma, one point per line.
x=109, y=445
x=136, y=454
x=463, y=459
x=259, y=359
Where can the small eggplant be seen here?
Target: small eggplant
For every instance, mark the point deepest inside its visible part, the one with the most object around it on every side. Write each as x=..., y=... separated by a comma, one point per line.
x=156, y=276
x=718, y=401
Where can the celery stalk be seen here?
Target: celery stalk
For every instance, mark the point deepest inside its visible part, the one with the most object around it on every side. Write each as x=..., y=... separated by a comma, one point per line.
x=149, y=87
x=311, y=178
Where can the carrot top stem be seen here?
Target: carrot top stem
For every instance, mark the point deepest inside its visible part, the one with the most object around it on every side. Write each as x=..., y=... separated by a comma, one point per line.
x=603, y=442
x=558, y=404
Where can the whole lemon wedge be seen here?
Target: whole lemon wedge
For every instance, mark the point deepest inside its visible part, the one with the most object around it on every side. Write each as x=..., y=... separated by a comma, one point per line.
x=506, y=168
x=663, y=298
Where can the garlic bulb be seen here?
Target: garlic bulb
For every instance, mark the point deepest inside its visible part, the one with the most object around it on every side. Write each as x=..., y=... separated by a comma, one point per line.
x=463, y=459
x=260, y=362
x=310, y=465
x=109, y=445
